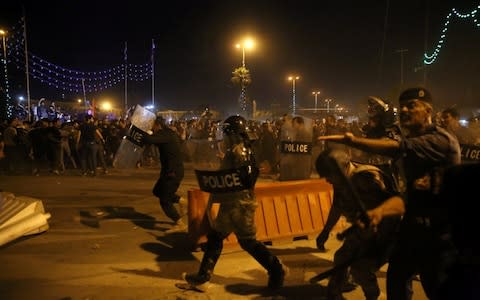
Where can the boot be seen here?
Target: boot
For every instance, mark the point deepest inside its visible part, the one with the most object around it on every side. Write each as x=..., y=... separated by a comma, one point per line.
x=179, y=226
x=276, y=270
x=201, y=280
x=276, y=277
x=197, y=282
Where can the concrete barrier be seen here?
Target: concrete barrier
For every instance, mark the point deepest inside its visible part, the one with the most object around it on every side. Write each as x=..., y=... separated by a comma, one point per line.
x=20, y=216
x=286, y=210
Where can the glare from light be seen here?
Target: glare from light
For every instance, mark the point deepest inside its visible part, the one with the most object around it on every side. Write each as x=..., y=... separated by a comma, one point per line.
x=106, y=105
x=249, y=43
x=79, y=100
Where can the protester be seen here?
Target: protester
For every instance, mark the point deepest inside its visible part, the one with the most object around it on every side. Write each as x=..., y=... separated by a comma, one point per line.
x=86, y=143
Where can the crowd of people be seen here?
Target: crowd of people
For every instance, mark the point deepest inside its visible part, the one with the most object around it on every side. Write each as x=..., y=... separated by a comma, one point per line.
x=387, y=176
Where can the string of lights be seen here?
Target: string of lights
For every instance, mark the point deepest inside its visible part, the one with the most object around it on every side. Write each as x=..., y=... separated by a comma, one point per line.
x=430, y=59
x=68, y=79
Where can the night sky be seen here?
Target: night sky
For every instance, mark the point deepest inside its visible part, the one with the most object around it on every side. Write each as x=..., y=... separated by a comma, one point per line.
x=335, y=47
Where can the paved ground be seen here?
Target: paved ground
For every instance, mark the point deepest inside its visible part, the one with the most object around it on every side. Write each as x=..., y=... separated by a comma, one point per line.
x=106, y=241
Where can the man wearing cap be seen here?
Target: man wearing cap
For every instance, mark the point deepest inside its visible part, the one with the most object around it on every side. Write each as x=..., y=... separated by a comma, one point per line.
x=425, y=151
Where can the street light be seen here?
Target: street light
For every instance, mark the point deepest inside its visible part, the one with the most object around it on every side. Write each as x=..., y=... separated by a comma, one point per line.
x=248, y=44
x=293, y=79
x=316, y=96
x=3, y=33
x=328, y=100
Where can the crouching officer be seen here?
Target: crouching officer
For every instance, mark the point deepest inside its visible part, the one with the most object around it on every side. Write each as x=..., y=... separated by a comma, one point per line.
x=359, y=187
x=230, y=180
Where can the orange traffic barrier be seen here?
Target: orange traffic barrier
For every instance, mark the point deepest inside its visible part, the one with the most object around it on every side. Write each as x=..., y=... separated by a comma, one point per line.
x=286, y=210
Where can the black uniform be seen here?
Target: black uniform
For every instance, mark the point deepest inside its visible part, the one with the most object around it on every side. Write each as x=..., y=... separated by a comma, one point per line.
x=363, y=250
x=238, y=170
x=172, y=169
x=464, y=275
x=423, y=246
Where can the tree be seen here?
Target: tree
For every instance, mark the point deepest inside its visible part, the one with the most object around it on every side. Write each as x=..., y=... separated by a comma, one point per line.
x=241, y=77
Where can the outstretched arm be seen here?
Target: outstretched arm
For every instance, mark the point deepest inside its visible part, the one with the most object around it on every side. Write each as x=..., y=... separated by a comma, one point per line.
x=388, y=147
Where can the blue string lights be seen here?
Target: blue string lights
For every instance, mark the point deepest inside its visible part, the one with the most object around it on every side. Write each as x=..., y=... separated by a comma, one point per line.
x=67, y=79
x=430, y=59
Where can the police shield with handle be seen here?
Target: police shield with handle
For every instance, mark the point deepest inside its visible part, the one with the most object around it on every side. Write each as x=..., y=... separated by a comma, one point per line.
x=230, y=180
x=131, y=148
x=468, y=139
x=296, y=148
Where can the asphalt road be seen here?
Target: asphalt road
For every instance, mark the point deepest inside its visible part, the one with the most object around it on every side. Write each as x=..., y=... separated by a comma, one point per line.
x=106, y=241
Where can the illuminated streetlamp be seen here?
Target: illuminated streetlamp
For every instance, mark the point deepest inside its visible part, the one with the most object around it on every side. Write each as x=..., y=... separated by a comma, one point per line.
x=316, y=97
x=106, y=106
x=293, y=79
x=248, y=44
x=244, y=79
x=328, y=104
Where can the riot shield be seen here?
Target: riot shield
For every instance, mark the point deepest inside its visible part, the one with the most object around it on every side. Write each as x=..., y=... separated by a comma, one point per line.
x=223, y=172
x=470, y=153
x=296, y=149
x=130, y=151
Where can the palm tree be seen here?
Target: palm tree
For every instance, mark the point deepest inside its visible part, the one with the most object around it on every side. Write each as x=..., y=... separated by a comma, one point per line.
x=241, y=77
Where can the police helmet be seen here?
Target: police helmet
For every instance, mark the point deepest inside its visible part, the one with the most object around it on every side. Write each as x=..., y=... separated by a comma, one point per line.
x=235, y=125
x=381, y=110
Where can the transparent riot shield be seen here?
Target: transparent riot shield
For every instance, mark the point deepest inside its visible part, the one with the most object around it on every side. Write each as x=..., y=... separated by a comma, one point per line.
x=296, y=149
x=225, y=168
x=131, y=148
x=221, y=173
x=226, y=164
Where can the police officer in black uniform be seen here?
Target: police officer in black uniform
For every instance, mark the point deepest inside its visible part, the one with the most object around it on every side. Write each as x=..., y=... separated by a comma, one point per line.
x=171, y=173
x=232, y=186
x=426, y=150
x=381, y=124
x=359, y=187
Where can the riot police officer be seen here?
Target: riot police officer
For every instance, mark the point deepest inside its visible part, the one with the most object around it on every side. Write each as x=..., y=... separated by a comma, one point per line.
x=381, y=124
x=230, y=182
x=171, y=173
x=359, y=187
x=426, y=151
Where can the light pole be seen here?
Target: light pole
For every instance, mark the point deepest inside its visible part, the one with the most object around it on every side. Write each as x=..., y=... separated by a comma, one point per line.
x=8, y=107
x=293, y=79
x=247, y=43
x=401, y=51
x=316, y=97
x=328, y=100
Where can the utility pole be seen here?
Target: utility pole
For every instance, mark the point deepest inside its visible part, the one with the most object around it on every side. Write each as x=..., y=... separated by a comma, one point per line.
x=401, y=51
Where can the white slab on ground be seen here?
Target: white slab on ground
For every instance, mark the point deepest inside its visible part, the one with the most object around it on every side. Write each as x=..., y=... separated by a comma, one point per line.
x=20, y=216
